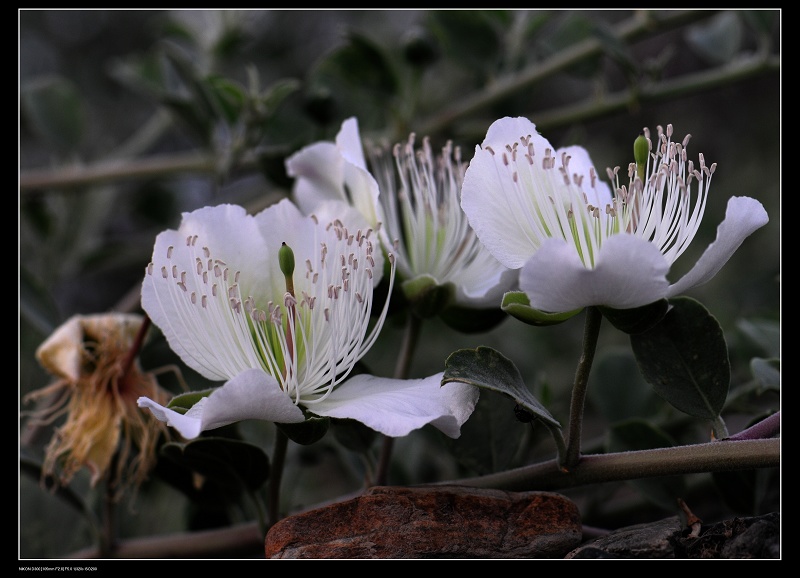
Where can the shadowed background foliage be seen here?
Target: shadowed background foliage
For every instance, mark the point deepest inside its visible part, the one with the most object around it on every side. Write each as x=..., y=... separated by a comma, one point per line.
x=129, y=117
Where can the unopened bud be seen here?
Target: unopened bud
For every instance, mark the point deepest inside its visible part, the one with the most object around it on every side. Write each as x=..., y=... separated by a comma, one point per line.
x=286, y=261
x=641, y=150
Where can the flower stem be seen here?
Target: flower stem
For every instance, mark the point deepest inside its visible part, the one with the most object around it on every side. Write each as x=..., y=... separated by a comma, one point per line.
x=276, y=473
x=410, y=339
x=108, y=535
x=558, y=438
x=591, y=331
x=136, y=347
x=716, y=456
x=720, y=429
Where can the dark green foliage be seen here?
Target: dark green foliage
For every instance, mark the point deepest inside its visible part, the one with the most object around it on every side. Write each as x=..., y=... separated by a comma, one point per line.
x=685, y=358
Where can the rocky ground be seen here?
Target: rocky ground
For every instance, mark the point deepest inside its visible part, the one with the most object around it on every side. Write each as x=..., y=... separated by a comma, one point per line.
x=459, y=522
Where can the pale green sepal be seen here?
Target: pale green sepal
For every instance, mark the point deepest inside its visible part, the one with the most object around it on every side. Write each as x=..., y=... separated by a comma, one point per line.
x=517, y=304
x=426, y=297
x=306, y=432
x=489, y=369
x=183, y=402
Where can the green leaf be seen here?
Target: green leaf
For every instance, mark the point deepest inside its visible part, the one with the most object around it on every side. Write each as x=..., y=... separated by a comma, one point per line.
x=638, y=320
x=53, y=107
x=229, y=96
x=357, y=79
x=517, y=304
x=145, y=73
x=617, y=388
x=183, y=402
x=230, y=42
x=490, y=437
x=685, y=359
x=488, y=369
x=767, y=373
x=764, y=333
x=637, y=435
x=420, y=49
x=364, y=63
x=277, y=92
x=306, y=432
x=471, y=38
x=230, y=463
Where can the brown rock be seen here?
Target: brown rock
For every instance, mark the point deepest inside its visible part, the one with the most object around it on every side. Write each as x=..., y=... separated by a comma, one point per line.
x=432, y=522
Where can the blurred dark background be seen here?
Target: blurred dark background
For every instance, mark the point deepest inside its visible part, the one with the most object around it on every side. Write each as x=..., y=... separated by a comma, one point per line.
x=129, y=117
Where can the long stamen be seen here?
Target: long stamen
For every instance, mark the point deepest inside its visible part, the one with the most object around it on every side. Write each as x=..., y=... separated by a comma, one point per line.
x=231, y=327
x=286, y=260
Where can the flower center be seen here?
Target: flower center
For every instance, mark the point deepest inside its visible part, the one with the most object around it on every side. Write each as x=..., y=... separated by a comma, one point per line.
x=420, y=195
x=309, y=340
x=548, y=199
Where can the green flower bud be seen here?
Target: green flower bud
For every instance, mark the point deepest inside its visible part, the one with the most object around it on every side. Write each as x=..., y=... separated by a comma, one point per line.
x=286, y=261
x=641, y=150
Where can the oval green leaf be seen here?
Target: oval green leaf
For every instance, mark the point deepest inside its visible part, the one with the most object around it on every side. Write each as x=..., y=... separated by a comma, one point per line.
x=638, y=320
x=685, y=358
x=489, y=369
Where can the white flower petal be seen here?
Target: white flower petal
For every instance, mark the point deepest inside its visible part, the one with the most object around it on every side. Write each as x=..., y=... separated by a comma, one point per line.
x=325, y=171
x=598, y=192
x=236, y=240
x=742, y=217
x=519, y=196
x=319, y=172
x=279, y=223
x=253, y=394
x=629, y=272
x=348, y=141
x=492, y=200
x=510, y=129
x=395, y=407
x=484, y=287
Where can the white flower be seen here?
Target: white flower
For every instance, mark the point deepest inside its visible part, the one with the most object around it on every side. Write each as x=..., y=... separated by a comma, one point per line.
x=577, y=244
x=412, y=196
x=327, y=171
x=216, y=290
